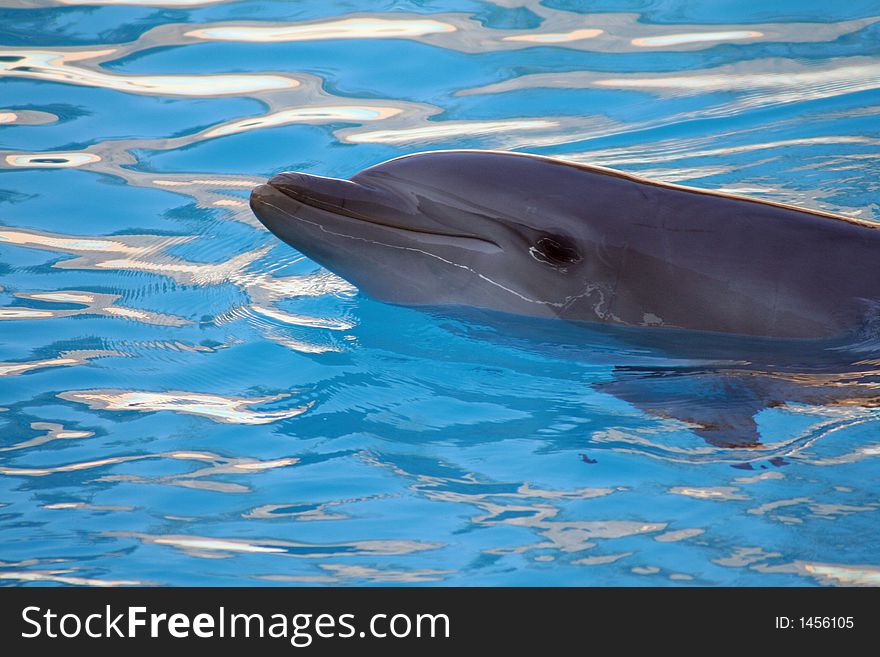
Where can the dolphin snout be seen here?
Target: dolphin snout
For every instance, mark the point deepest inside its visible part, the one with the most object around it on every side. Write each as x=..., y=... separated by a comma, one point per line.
x=322, y=192
x=291, y=182
x=300, y=194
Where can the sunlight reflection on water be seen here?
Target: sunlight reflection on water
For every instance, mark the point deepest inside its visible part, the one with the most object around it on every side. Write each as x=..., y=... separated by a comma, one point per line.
x=185, y=400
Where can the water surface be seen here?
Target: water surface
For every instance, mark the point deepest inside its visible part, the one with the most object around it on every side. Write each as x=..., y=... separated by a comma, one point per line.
x=185, y=400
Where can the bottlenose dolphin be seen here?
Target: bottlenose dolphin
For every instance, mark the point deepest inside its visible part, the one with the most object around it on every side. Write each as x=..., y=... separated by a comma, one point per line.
x=717, y=384
x=733, y=304
x=537, y=236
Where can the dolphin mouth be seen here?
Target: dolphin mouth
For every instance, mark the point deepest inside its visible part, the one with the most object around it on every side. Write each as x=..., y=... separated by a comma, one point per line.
x=345, y=198
x=328, y=194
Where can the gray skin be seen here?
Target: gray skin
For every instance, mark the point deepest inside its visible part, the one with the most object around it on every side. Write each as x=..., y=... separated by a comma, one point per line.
x=536, y=236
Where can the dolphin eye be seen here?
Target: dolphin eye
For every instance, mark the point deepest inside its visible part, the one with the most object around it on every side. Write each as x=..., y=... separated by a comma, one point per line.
x=555, y=250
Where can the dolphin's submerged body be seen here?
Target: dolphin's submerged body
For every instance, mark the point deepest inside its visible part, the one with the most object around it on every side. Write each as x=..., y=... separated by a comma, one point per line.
x=539, y=237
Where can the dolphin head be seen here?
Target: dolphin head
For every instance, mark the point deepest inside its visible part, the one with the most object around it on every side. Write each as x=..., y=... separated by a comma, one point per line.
x=476, y=228
x=532, y=235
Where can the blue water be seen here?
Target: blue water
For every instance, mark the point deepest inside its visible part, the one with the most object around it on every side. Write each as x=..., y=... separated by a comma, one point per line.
x=185, y=400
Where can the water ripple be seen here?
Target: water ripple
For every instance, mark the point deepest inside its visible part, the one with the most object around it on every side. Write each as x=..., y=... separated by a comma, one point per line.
x=205, y=390
x=231, y=410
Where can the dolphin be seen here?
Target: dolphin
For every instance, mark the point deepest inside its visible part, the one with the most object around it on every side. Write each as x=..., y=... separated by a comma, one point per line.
x=711, y=306
x=716, y=384
x=542, y=237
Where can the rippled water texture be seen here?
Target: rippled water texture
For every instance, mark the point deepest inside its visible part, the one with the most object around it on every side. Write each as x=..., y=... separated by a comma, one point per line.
x=185, y=400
